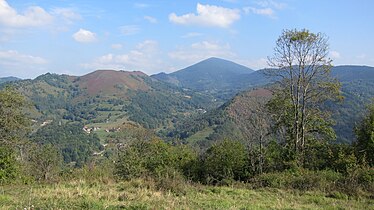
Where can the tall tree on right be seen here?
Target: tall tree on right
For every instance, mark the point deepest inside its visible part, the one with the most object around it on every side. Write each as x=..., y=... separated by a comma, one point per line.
x=365, y=137
x=301, y=68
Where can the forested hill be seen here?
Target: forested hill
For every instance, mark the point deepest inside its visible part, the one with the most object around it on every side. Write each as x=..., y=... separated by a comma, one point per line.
x=160, y=101
x=218, y=124
x=108, y=96
x=8, y=79
x=357, y=89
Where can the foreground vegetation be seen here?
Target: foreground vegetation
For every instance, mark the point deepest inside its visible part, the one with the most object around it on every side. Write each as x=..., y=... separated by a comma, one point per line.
x=141, y=194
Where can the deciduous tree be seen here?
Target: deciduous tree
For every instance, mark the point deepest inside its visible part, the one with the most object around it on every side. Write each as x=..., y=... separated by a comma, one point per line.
x=301, y=68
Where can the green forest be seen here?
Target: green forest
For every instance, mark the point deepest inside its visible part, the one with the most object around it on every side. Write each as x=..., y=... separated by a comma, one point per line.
x=305, y=140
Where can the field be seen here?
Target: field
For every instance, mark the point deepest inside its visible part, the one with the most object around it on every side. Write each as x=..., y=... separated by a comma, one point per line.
x=140, y=194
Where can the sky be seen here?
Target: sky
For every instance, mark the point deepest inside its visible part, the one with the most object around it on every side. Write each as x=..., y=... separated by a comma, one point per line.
x=76, y=37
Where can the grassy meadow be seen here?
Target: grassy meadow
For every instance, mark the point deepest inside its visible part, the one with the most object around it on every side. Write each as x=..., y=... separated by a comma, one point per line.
x=143, y=194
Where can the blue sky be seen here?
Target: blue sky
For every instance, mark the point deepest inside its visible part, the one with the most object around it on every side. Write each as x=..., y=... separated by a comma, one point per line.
x=76, y=37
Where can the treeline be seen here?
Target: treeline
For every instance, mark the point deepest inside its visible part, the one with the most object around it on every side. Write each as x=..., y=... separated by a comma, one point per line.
x=332, y=168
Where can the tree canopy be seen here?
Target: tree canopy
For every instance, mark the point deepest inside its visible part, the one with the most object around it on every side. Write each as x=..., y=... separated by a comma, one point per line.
x=302, y=71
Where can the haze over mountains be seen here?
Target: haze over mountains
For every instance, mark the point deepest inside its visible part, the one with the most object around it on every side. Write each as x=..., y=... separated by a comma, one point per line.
x=161, y=101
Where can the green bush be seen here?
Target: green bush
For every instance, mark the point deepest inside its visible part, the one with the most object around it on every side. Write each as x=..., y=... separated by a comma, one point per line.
x=9, y=167
x=300, y=179
x=156, y=159
x=225, y=160
x=130, y=163
x=172, y=181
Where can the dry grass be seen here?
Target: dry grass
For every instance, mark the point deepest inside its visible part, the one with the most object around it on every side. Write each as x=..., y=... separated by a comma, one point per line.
x=140, y=194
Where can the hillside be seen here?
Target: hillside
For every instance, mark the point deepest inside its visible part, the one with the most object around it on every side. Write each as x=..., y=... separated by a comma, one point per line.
x=112, y=82
x=110, y=97
x=214, y=75
x=201, y=131
x=8, y=79
x=357, y=89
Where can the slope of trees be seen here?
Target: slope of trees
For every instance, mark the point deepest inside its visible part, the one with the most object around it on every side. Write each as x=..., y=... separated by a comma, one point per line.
x=74, y=145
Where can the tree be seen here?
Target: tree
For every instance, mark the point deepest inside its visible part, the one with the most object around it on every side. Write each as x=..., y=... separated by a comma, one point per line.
x=301, y=68
x=249, y=114
x=13, y=122
x=365, y=137
x=13, y=128
x=45, y=162
x=8, y=165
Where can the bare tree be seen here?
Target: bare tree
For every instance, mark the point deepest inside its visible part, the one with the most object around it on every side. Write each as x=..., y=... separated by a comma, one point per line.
x=249, y=113
x=301, y=67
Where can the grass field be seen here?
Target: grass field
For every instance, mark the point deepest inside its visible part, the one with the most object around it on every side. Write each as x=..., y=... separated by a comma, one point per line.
x=200, y=135
x=139, y=194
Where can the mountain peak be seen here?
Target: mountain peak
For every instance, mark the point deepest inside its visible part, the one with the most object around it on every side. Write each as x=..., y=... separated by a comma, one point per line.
x=112, y=81
x=212, y=74
x=110, y=72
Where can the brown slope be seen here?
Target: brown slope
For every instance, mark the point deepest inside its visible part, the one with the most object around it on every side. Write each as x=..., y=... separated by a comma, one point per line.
x=112, y=82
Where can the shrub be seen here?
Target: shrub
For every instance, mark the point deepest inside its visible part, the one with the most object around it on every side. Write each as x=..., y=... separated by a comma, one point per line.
x=300, y=179
x=172, y=181
x=130, y=163
x=225, y=161
x=156, y=159
x=9, y=169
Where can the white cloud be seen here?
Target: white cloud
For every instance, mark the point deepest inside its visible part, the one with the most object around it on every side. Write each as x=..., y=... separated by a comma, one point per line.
x=144, y=57
x=84, y=36
x=192, y=34
x=13, y=63
x=230, y=1
x=150, y=19
x=254, y=64
x=148, y=46
x=263, y=11
x=116, y=46
x=141, y=5
x=208, y=15
x=202, y=50
x=334, y=54
x=68, y=14
x=16, y=57
x=129, y=30
x=273, y=4
x=32, y=17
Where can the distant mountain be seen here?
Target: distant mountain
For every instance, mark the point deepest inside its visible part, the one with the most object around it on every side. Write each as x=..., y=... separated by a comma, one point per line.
x=357, y=89
x=8, y=79
x=349, y=73
x=214, y=75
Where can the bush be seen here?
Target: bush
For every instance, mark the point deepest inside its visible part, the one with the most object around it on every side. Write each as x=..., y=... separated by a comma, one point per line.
x=172, y=181
x=358, y=182
x=9, y=169
x=130, y=164
x=156, y=159
x=300, y=179
x=225, y=161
